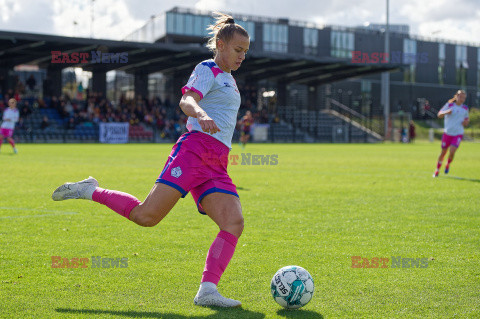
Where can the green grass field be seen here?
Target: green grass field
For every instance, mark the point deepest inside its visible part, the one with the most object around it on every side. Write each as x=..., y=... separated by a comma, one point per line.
x=321, y=205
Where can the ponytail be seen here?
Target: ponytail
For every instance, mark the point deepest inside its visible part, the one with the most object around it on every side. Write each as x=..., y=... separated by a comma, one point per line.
x=223, y=28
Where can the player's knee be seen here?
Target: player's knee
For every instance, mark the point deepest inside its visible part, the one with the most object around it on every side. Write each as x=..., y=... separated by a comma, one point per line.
x=150, y=223
x=148, y=218
x=237, y=224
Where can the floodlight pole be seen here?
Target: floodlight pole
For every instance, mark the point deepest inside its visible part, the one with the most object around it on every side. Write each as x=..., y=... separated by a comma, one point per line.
x=386, y=79
x=92, y=17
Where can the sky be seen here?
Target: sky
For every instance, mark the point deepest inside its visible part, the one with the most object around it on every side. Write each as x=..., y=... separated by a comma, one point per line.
x=114, y=19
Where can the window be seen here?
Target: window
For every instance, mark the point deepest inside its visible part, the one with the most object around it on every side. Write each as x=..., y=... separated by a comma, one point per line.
x=478, y=68
x=366, y=93
x=461, y=65
x=275, y=37
x=441, y=63
x=206, y=21
x=310, y=41
x=409, y=57
x=171, y=22
x=180, y=24
x=342, y=44
x=187, y=24
x=198, y=27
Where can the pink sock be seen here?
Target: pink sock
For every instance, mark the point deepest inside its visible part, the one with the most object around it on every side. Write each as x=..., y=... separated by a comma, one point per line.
x=219, y=256
x=439, y=164
x=12, y=142
x=449, y=161
x=120, y=202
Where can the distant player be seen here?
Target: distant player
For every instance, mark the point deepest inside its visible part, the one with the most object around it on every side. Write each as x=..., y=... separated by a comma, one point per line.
x=246, y=125
x=10, y=117
x=456, y=117
x=198, y=161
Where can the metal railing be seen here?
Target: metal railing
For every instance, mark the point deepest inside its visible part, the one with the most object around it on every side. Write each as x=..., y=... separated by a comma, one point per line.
x=374, y=125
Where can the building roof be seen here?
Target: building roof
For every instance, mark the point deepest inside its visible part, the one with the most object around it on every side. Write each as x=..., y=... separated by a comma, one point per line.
x=36, y=49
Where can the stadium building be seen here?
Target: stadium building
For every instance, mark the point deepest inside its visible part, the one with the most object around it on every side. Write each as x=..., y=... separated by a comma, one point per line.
x=308, y=82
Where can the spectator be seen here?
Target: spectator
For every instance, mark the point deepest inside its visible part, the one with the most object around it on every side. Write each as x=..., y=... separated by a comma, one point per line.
x=31, y=82
x=45, y=124
x=25, y=110
x=70, y=124
x=19, y=87
x=411, y=132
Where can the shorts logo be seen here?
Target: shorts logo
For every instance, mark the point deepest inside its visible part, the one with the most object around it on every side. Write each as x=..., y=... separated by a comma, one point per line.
x=176, y=172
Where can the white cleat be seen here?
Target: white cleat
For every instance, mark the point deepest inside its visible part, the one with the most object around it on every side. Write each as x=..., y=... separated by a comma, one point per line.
x=79, y=190
x=215, y=299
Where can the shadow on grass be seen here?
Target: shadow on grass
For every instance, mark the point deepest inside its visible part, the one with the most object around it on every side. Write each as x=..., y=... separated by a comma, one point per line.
x=243, y=189
x=299, y=313
x=220, y=314
x=462, y=179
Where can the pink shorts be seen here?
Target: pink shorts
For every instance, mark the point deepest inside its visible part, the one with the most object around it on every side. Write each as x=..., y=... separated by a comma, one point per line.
x=6, y=132
x=198, y=164
x=448, y=140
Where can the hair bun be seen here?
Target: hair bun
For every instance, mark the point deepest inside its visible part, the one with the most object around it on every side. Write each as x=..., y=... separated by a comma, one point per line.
x=230, y=20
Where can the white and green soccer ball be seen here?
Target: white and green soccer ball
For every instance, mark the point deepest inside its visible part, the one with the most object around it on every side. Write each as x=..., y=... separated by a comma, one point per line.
x=292, y=287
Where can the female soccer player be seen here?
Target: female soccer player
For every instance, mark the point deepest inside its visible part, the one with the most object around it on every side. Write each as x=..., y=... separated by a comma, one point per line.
x=198, y=161
x=456, y=117
x=10, y=117
x=246, y=123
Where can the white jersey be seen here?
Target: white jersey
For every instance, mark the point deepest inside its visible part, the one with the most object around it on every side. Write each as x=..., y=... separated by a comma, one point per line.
x=12, y=115
x=453, y=121
x=220, y=99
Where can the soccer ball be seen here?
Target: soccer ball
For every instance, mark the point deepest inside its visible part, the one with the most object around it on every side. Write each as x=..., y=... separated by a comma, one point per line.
x=292, y=287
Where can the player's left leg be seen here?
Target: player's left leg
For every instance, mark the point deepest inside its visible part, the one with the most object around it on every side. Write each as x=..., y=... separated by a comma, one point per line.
x=12, y=142
x=225, y=210
x=247, y=138
x=1, y=139
x=451, y=155
x=242, y=139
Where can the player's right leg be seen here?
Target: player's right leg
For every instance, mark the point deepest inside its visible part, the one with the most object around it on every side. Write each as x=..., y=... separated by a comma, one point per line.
x=1, y=139
x=173, y=183
x=12, y=142
x=446, y=141
x=156, y=206
x=439, y=161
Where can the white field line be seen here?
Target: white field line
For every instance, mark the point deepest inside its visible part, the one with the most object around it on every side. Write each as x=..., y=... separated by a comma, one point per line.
x=52, y=212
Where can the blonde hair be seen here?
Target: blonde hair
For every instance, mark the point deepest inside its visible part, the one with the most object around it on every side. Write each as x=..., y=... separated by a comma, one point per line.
x=223, y=28
x=454, y=98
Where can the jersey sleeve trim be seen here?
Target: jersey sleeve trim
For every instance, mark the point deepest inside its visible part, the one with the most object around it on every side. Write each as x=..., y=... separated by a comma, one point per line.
x=186, y=89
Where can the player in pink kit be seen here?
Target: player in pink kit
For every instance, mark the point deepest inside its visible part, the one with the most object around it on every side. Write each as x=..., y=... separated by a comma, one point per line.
x=198, y=161
x=10, y=117
x=456, y=117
